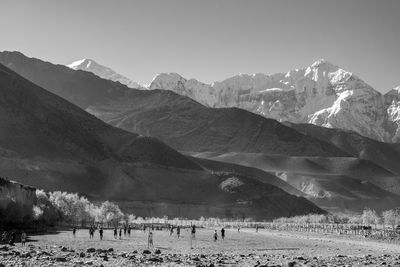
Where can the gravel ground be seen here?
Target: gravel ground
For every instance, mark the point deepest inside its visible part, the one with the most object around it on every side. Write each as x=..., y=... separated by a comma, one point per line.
x=246, y=248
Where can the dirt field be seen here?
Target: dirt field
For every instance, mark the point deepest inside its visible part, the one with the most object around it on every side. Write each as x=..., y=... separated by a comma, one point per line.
x=246, y=248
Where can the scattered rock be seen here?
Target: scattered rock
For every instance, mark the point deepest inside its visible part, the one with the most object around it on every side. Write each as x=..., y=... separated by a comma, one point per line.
x=155, y=259
x=157, y=251
x=82, y=254
x=91, y=250
x=146, y=251
x=60, y=259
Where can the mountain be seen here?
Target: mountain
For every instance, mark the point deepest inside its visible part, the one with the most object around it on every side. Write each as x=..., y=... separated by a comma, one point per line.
x=322, y=94
x=49, y=143
x=103, y=72
x=392, y=100
x=335, y=184
x=176, y=120
x=259, y=143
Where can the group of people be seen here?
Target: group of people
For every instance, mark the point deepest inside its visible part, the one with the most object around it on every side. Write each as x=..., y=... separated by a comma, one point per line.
x=127, y=229
x=222, y=234
x=150, y=244
x=11, y=239
x=92, y=230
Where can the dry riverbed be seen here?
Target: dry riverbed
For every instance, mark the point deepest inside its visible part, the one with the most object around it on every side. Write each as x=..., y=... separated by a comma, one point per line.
x=246, y=248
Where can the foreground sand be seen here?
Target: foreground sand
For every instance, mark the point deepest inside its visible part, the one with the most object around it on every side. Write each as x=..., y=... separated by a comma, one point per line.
x=246, y=248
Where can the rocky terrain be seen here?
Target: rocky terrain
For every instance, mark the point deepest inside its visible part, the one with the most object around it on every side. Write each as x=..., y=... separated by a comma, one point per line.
x=244, y=249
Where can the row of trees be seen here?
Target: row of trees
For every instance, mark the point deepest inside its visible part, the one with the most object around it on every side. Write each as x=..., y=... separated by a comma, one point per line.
x=368, y=217
x=72, y=209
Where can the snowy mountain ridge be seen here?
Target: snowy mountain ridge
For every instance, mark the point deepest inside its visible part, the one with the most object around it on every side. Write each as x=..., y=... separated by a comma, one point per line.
x=322, y=94
x=103, y=72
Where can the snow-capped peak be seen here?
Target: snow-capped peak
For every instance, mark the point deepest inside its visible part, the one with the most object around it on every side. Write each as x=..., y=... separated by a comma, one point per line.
x=322, y=93
x=103, y=72
x=322, y=62
x=79, y=63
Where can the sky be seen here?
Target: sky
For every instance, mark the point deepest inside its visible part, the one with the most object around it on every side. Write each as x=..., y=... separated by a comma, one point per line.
x=209, y=40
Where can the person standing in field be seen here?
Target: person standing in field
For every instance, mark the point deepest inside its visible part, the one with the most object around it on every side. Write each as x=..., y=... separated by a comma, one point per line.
x=91, y=232
x=171, y=230
x=239, y=229
x=115, y=232
x=101, y=233
x=215, y=236
x=193, y=231
x=120, y=233
x=23, y=238
x=222, y=233
x=12, y=239
x=150, y=240
x=125, y=230
x=73, y=231
x=178, y=231
x=4, y=236
x=129, y=231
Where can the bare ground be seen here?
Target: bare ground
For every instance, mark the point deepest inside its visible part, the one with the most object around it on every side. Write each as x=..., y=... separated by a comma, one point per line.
x=246, y=248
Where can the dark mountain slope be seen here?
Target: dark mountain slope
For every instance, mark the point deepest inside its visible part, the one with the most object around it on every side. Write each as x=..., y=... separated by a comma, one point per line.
x=336, y=184
x=50, y=143
x=386, y=155
x=174, y=119
x=37, y=123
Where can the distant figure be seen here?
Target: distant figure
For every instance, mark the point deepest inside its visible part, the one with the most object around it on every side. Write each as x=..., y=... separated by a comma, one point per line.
x=73, y=231
x=91, y=232
x=215, y=236
x=222, y=233
x=101, y=233
x=256, y=228
x=23, y=238
x=178, y=231
x=150, y=240
x=4, y=236
x=144, y=228
x=120, y=233
x=125, y=229
x=171, y=230
x=12, y=239
x=129, y=230
x=115, y=232
x=238, y=229
x=193, y=231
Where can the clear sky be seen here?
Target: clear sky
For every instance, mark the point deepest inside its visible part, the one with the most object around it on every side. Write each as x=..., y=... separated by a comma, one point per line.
x=209, y=40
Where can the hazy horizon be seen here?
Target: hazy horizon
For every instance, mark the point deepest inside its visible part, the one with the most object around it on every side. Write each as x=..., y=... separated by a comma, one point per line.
x=210, y=40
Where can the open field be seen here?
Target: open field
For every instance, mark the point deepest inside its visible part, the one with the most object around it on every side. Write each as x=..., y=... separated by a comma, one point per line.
x=247, y=248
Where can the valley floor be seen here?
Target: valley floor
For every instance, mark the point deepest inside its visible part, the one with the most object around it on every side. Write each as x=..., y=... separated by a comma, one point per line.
x=246, y=248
